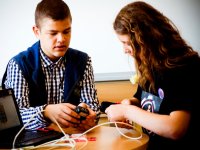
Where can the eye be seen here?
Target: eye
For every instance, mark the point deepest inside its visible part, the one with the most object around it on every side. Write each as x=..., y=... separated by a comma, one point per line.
x=128, y=44
x=66, y=31
x=53, y=33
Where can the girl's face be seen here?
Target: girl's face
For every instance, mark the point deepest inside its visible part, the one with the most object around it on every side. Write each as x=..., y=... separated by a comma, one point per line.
x=125, y=40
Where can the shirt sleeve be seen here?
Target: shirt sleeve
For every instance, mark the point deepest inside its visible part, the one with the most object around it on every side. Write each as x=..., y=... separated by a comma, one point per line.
x=89, y=92
x=138, y=93
x=18, y=83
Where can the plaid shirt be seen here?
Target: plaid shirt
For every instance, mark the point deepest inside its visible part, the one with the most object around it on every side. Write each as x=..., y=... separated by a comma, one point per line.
x=54, y=82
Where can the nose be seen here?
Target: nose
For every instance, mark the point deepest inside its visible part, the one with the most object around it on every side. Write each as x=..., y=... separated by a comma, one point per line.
x=126, y=50
x=60, y=37
x=125, y=47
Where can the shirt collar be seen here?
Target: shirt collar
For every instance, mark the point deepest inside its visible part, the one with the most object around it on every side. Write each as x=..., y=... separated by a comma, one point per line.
x=48, y=63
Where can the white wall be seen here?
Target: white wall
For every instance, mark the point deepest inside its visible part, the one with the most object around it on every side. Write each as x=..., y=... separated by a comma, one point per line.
x=92, y=30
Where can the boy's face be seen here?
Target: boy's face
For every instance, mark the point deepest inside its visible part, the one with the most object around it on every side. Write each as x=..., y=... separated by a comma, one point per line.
x=54, y=37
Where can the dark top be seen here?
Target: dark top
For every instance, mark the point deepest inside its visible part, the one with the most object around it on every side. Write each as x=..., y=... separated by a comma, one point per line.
x=177, y=90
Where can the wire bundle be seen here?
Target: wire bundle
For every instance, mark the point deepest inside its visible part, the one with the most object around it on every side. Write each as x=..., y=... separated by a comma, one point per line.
x=67, y=141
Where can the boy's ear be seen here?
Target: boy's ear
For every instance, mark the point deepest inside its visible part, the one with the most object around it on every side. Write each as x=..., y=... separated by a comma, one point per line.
x=36, y=31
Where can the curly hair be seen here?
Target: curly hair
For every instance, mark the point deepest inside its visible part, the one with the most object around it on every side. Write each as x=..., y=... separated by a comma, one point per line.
x=155, y=40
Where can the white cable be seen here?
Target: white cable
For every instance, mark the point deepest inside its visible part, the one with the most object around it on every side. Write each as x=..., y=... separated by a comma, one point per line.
x=13, y=147
x=136, y=138
x=82, y=138
x=81, y=135
x=53, y=144
x=132, y=138
x=72, y=142
x=67, y=137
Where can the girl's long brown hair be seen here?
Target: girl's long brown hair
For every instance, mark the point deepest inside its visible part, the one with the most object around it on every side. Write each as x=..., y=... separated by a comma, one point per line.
x=156, y=42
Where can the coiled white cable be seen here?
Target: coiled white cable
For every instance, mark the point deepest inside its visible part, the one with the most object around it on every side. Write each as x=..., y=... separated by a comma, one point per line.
x=106, y=123
x=13, y=145
x=71, y=140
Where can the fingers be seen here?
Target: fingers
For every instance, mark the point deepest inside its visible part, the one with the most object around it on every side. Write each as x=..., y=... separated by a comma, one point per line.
x=68, y=105
x=70, y=112
x=88, y=123
x=90, y=120
x=91, y=112
x=65, y=123
x=65, y=115
x=84, y=105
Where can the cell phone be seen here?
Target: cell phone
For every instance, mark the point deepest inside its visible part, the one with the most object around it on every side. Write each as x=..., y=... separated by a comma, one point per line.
x=83, y=112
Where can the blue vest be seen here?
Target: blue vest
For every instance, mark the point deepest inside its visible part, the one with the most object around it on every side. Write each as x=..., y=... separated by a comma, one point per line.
x=30, y=64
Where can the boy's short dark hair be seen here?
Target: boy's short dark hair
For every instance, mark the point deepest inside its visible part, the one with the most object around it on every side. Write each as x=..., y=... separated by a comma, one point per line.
x=54, y=9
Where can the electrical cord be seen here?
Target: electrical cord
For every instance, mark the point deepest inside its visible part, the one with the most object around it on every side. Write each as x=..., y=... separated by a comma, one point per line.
x=13, y=145
x=106, y=123
x=135, y=138
x=71, y=140
x=56, y=143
